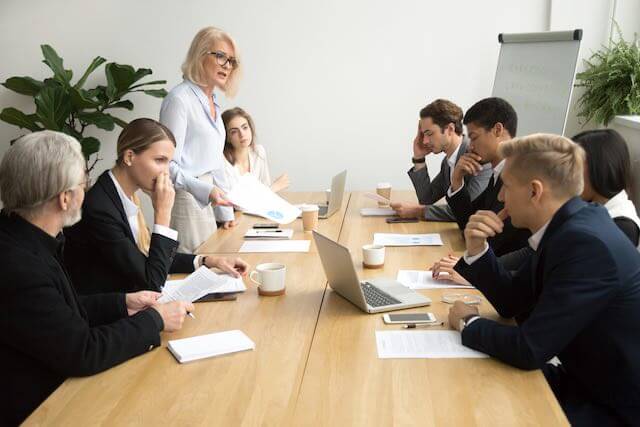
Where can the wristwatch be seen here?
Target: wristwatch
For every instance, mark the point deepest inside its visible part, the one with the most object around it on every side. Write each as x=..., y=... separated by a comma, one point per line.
x=419, y=160
x=203, y=261
x=465, y=321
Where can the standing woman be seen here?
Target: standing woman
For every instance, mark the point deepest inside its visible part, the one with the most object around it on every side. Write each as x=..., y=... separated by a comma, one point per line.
x=192, y=113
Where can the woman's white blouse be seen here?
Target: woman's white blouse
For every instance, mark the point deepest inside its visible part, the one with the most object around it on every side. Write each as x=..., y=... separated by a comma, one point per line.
x=199, y=143
x=258, y=167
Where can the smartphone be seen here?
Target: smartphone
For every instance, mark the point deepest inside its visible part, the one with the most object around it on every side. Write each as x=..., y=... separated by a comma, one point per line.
x=266, y=225
x=413, y=318
x=397, y=220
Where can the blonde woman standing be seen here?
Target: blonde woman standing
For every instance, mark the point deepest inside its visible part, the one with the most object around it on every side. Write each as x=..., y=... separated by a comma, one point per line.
x=193, y=114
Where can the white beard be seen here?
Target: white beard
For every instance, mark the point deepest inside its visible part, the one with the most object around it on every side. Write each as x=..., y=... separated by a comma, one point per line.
x=73, y=217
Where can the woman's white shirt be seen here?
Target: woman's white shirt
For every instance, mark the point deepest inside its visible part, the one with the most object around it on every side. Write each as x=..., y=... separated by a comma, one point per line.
x=199, y=143
x=258, y=167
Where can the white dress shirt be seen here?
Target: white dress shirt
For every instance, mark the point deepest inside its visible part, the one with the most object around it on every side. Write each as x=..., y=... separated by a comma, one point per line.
x=199, y=143
x=258, y=167
x=131, y=211
x=451, y=161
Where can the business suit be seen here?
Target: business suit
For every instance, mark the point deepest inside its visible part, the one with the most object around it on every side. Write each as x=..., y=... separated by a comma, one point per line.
x=463, y=206
x=48, y=332
x=102, y=255
x=578, y=298
x=430, y=191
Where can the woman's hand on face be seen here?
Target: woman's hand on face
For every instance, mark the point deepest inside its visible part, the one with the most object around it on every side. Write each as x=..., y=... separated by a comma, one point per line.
x=162, y=197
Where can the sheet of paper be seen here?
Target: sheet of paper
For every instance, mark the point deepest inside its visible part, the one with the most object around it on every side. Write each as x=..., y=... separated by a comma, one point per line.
x=421, y=279
x=275, y=246
x=198, y=284
x=391, y=239
x=260, y=234
x=257, y=199
x=199, y=347
x=377, y=212
x=423, y=345
x=231, y=285
x=377, y=198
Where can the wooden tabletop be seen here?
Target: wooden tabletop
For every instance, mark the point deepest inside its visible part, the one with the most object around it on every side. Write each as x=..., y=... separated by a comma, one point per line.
x=346, y=384
x=315, y=361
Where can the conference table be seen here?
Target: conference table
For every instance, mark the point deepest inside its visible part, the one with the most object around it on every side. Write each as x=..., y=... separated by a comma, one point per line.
x=315, y=360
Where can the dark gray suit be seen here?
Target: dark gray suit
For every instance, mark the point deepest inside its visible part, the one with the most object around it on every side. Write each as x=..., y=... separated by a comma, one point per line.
x=430, y=191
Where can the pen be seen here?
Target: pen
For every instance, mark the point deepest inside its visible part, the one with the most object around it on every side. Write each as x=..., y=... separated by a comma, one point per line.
x=269, y=231
x=420, y=325
x=190, y=314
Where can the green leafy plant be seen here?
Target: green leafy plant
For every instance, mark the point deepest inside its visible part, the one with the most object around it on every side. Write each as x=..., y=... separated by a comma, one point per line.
x=70, y=108
x=612, y=81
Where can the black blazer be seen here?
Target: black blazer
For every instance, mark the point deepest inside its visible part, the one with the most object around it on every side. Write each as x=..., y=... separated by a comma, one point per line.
x=102, y=255
x=578, y=298
x=463, y=207
x=48, y=332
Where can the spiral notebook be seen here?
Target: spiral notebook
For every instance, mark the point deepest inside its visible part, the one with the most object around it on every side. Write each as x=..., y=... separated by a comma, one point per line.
x=211, y=345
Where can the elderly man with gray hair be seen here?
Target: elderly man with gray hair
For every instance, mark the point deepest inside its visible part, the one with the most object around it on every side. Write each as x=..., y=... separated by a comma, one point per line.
x=49, y=333
x=577, y=297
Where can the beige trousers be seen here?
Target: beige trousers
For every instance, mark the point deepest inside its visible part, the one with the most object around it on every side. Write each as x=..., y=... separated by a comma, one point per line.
x=193, y=223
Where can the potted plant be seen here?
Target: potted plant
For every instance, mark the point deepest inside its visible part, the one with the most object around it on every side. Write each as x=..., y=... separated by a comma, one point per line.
x=611, y=81
x=68, y=107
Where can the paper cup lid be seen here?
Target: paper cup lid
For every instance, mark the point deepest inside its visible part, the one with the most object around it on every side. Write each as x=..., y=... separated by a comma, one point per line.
x=384, y=185
x=309, y=208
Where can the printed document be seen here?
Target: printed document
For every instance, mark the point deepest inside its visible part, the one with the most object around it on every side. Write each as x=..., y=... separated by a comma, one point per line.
x=423, y=345
x=391, y=239
x=421, y=279
x=255, y=198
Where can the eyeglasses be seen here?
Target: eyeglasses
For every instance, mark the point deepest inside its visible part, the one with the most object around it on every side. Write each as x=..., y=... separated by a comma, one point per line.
x=222, y=59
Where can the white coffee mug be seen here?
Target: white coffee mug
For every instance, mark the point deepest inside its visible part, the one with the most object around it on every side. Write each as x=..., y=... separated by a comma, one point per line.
x=270, y=278
x=373, y=256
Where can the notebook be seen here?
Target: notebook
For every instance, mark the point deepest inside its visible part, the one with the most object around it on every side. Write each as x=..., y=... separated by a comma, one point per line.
x=211, y=345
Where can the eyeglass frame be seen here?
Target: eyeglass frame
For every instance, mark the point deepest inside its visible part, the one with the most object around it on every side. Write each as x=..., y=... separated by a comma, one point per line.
x=227, y=59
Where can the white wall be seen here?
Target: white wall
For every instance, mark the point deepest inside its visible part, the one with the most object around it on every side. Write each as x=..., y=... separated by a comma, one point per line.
x=331, y=84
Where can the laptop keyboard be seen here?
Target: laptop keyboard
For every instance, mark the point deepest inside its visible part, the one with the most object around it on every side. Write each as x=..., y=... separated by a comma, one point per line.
x=376, y=297
x=323, y=209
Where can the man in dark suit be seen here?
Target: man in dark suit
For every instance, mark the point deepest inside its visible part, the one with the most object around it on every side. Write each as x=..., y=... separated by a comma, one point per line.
x=48, y=332
x=439, y=131
x=489, y=122
x=577, y=297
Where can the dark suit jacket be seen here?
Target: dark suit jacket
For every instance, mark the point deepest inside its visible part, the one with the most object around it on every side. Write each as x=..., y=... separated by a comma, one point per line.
x=578, y=298
x=48, y=332
x=430, y=191
x=464, y=206
x=102, y=255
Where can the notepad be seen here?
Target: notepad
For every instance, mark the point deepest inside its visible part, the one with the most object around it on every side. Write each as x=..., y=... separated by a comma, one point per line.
x=391, y=239
x=377, y=212
x=421, y=279
x=211, y=345
x=260, y=234
x=200, y=283
x=275, y=246
x=423, y=345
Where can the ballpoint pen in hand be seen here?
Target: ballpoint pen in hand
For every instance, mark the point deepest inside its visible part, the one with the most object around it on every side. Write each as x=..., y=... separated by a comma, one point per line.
x=421, y=325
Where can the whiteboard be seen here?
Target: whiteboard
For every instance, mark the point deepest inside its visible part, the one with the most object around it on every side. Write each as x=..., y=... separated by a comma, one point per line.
x=535, y=74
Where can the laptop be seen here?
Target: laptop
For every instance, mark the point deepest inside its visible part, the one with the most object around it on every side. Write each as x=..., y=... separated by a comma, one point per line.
x=371, y=296
x=335, y=200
